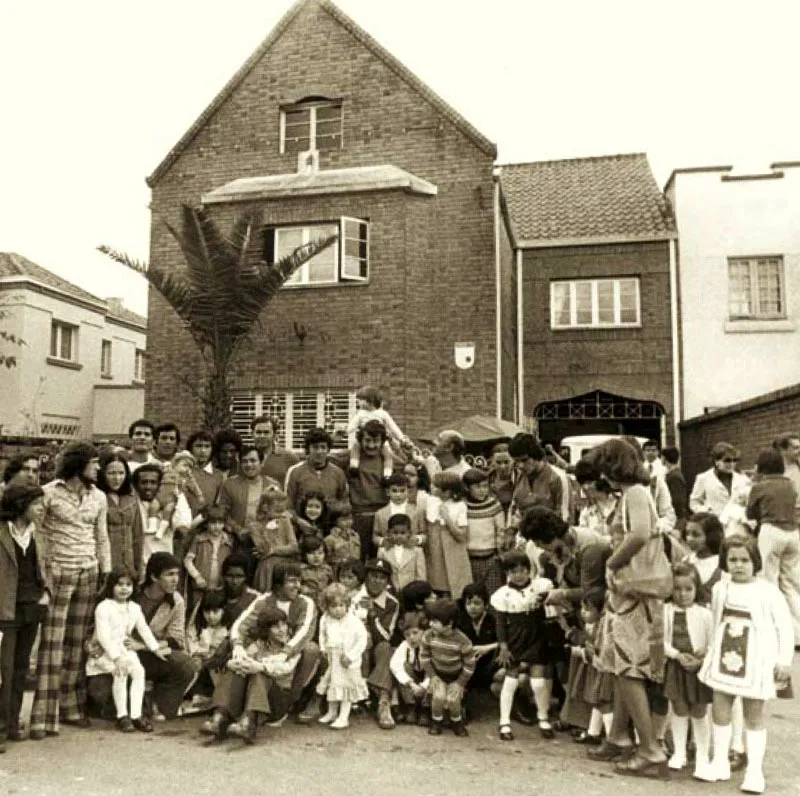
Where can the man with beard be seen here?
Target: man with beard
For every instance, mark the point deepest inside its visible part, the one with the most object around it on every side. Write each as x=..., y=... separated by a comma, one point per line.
x=77, y=553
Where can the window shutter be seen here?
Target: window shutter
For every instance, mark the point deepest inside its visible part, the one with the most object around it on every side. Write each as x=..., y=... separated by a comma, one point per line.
x=269, y=246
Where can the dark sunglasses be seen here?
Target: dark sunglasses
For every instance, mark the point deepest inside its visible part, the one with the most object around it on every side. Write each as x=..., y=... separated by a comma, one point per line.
x=729, y=460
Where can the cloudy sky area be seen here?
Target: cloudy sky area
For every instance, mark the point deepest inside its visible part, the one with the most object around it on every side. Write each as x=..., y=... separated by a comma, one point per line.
x=94, y=94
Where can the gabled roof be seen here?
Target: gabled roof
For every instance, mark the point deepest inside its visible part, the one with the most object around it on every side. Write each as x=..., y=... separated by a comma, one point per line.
x=359, y=33
x=16, y=267
x=611, y=199
x=125, y=316
x=317, y=183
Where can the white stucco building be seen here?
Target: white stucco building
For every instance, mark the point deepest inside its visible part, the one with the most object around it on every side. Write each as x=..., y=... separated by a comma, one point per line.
x=738, y=271
x=80, y=374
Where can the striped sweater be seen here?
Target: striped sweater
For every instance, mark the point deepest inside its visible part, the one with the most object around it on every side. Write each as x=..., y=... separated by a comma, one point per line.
x=449, y=655
x=485, y=525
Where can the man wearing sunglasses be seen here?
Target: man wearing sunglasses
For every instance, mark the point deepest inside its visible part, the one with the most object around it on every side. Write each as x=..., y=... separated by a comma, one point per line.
x=713, y=489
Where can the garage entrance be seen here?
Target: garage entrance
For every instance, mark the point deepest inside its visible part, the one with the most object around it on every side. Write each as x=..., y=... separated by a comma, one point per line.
x=598, y=412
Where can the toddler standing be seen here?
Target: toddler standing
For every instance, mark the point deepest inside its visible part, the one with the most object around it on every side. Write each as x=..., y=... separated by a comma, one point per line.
x=409, y=673
x=207, y=552
x=343, y=542
x=485, y=525
x=447, y=559
x=342, y=640
x=687, y=637
x=407, y=560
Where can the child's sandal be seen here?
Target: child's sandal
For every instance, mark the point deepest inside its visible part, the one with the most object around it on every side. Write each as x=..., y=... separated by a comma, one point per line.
x=124, y=724
x=143, y=725
x=505, y=732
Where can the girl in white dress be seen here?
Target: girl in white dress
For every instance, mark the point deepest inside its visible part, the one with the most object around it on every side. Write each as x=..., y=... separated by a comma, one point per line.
x=342, y=639
x=115, y=619
x=751, y=651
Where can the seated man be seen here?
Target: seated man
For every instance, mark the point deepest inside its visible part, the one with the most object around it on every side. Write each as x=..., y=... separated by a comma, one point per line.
x=231, y=690
x=165, y=612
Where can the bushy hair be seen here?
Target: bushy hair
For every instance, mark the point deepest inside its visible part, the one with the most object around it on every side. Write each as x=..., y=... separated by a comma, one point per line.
x=247, y=450
x=540, y=524
x=16, y=500
x=168, y=427
x=268, y=617
x=742, y=542
x=317, y=436
x=474, y=476
x=148, y=467
x=75, y=458
x=526, y=445
x=267, y=500
x=199, y=436
x=310, y=544
x=770, y=462
x=226, y=436
x=445, y=611
x=16, y=464
x=712, y=528
x=323, y=521
x=619, y=462
x=475, y=590
x=372, y=428
x=235, y=561
x=670, y=454
x=414, y=594
x=141, y=423
x=332, y=594
x=157, y=564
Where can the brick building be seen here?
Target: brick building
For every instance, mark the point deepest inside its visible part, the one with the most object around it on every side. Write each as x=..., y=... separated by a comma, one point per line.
x=323, y=129
x=751, y=426
x=594, y=255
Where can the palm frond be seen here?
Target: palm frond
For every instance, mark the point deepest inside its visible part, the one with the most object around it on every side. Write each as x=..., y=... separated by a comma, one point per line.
x=273, y=277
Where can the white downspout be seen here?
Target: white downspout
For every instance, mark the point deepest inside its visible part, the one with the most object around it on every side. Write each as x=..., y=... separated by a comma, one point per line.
x=674, y=321
x=498, y=299
x=520, y=347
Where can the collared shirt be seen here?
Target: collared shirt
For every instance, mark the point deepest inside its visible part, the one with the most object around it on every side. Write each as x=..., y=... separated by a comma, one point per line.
x=74, y=527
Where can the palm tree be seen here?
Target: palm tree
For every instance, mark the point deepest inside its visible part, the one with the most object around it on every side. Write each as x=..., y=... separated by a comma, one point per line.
x=221, y=294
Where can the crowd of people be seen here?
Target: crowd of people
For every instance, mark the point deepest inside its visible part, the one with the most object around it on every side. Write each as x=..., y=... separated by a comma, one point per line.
x=599, y=598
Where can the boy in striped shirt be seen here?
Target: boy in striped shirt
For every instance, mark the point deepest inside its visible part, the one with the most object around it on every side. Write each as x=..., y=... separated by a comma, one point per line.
x=447, y=656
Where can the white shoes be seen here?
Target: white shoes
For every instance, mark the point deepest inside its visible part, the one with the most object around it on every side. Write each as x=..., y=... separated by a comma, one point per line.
x=676, y=762
x=753, y=782
x=327, y=718
x=340, y=724
x=704, y=771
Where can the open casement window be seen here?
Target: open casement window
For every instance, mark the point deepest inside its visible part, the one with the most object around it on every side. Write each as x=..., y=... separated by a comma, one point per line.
x=756, y=288
x=594, y=303
x=297, y=412
x=346, y=261
x=312, y=124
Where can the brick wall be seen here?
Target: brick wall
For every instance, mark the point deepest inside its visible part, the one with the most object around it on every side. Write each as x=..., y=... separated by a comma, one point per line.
x=635, y=363
x=751, y=426
x=432, y=259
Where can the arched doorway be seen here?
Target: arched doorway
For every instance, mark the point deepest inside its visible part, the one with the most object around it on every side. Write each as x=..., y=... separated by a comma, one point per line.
x=598, y=412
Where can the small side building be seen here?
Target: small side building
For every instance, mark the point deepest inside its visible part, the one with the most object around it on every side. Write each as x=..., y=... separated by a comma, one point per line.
x=80, y=373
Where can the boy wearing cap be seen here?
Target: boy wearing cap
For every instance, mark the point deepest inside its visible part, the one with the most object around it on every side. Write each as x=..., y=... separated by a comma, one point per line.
x=379, y=610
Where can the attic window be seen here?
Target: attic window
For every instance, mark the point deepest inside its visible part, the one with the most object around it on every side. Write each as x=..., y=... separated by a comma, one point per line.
x=314, y=123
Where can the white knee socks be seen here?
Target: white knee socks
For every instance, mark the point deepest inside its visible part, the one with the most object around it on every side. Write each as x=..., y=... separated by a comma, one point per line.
x=137, y=692
x=720, y=765
x=701, y=728
x=595, y=723
x=756, y=748
x=737, y=725
x=608, y=720
x=680, y=735
x=542, y=689
x=507, y=699
x=119, y=690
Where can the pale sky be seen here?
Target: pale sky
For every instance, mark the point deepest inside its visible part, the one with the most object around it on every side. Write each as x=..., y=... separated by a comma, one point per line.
x=95, y=93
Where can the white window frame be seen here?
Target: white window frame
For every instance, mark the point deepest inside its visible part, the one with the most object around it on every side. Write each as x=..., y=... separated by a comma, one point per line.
x=343, y=265
x=106, y=358
x=312, y=108
x=61, y=328
x=753, y=264
x=247, y=405
x=139, y=362
x=595, y=323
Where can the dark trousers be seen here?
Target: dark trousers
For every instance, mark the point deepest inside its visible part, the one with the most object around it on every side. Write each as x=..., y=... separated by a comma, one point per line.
x=170, y=679
x=15, y=655
x=363, y=524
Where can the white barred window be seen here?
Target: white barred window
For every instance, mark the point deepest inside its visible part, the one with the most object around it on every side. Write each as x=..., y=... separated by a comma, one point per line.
x=297, y=411
x=594, y=303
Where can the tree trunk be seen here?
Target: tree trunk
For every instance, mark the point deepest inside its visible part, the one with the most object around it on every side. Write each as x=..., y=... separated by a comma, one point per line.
x=217, y=399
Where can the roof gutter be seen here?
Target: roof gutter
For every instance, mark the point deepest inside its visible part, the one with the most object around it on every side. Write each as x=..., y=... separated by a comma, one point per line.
x=498, y=302
x=598, y=240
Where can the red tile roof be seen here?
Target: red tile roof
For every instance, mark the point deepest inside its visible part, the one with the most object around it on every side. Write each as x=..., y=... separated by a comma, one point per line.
x=575, y=202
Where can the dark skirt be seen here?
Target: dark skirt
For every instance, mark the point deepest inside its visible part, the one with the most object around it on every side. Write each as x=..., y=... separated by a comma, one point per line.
x=599, y=687
x=576, y=711
x=684, y=687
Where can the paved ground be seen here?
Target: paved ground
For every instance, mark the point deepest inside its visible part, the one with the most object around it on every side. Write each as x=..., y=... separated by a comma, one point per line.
x=361, y=760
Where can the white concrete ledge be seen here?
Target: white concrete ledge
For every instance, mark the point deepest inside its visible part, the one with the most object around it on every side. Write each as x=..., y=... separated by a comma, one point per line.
x=757, y=327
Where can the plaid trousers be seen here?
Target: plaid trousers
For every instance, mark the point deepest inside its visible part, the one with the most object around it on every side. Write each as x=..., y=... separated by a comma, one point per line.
x=60, y=681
